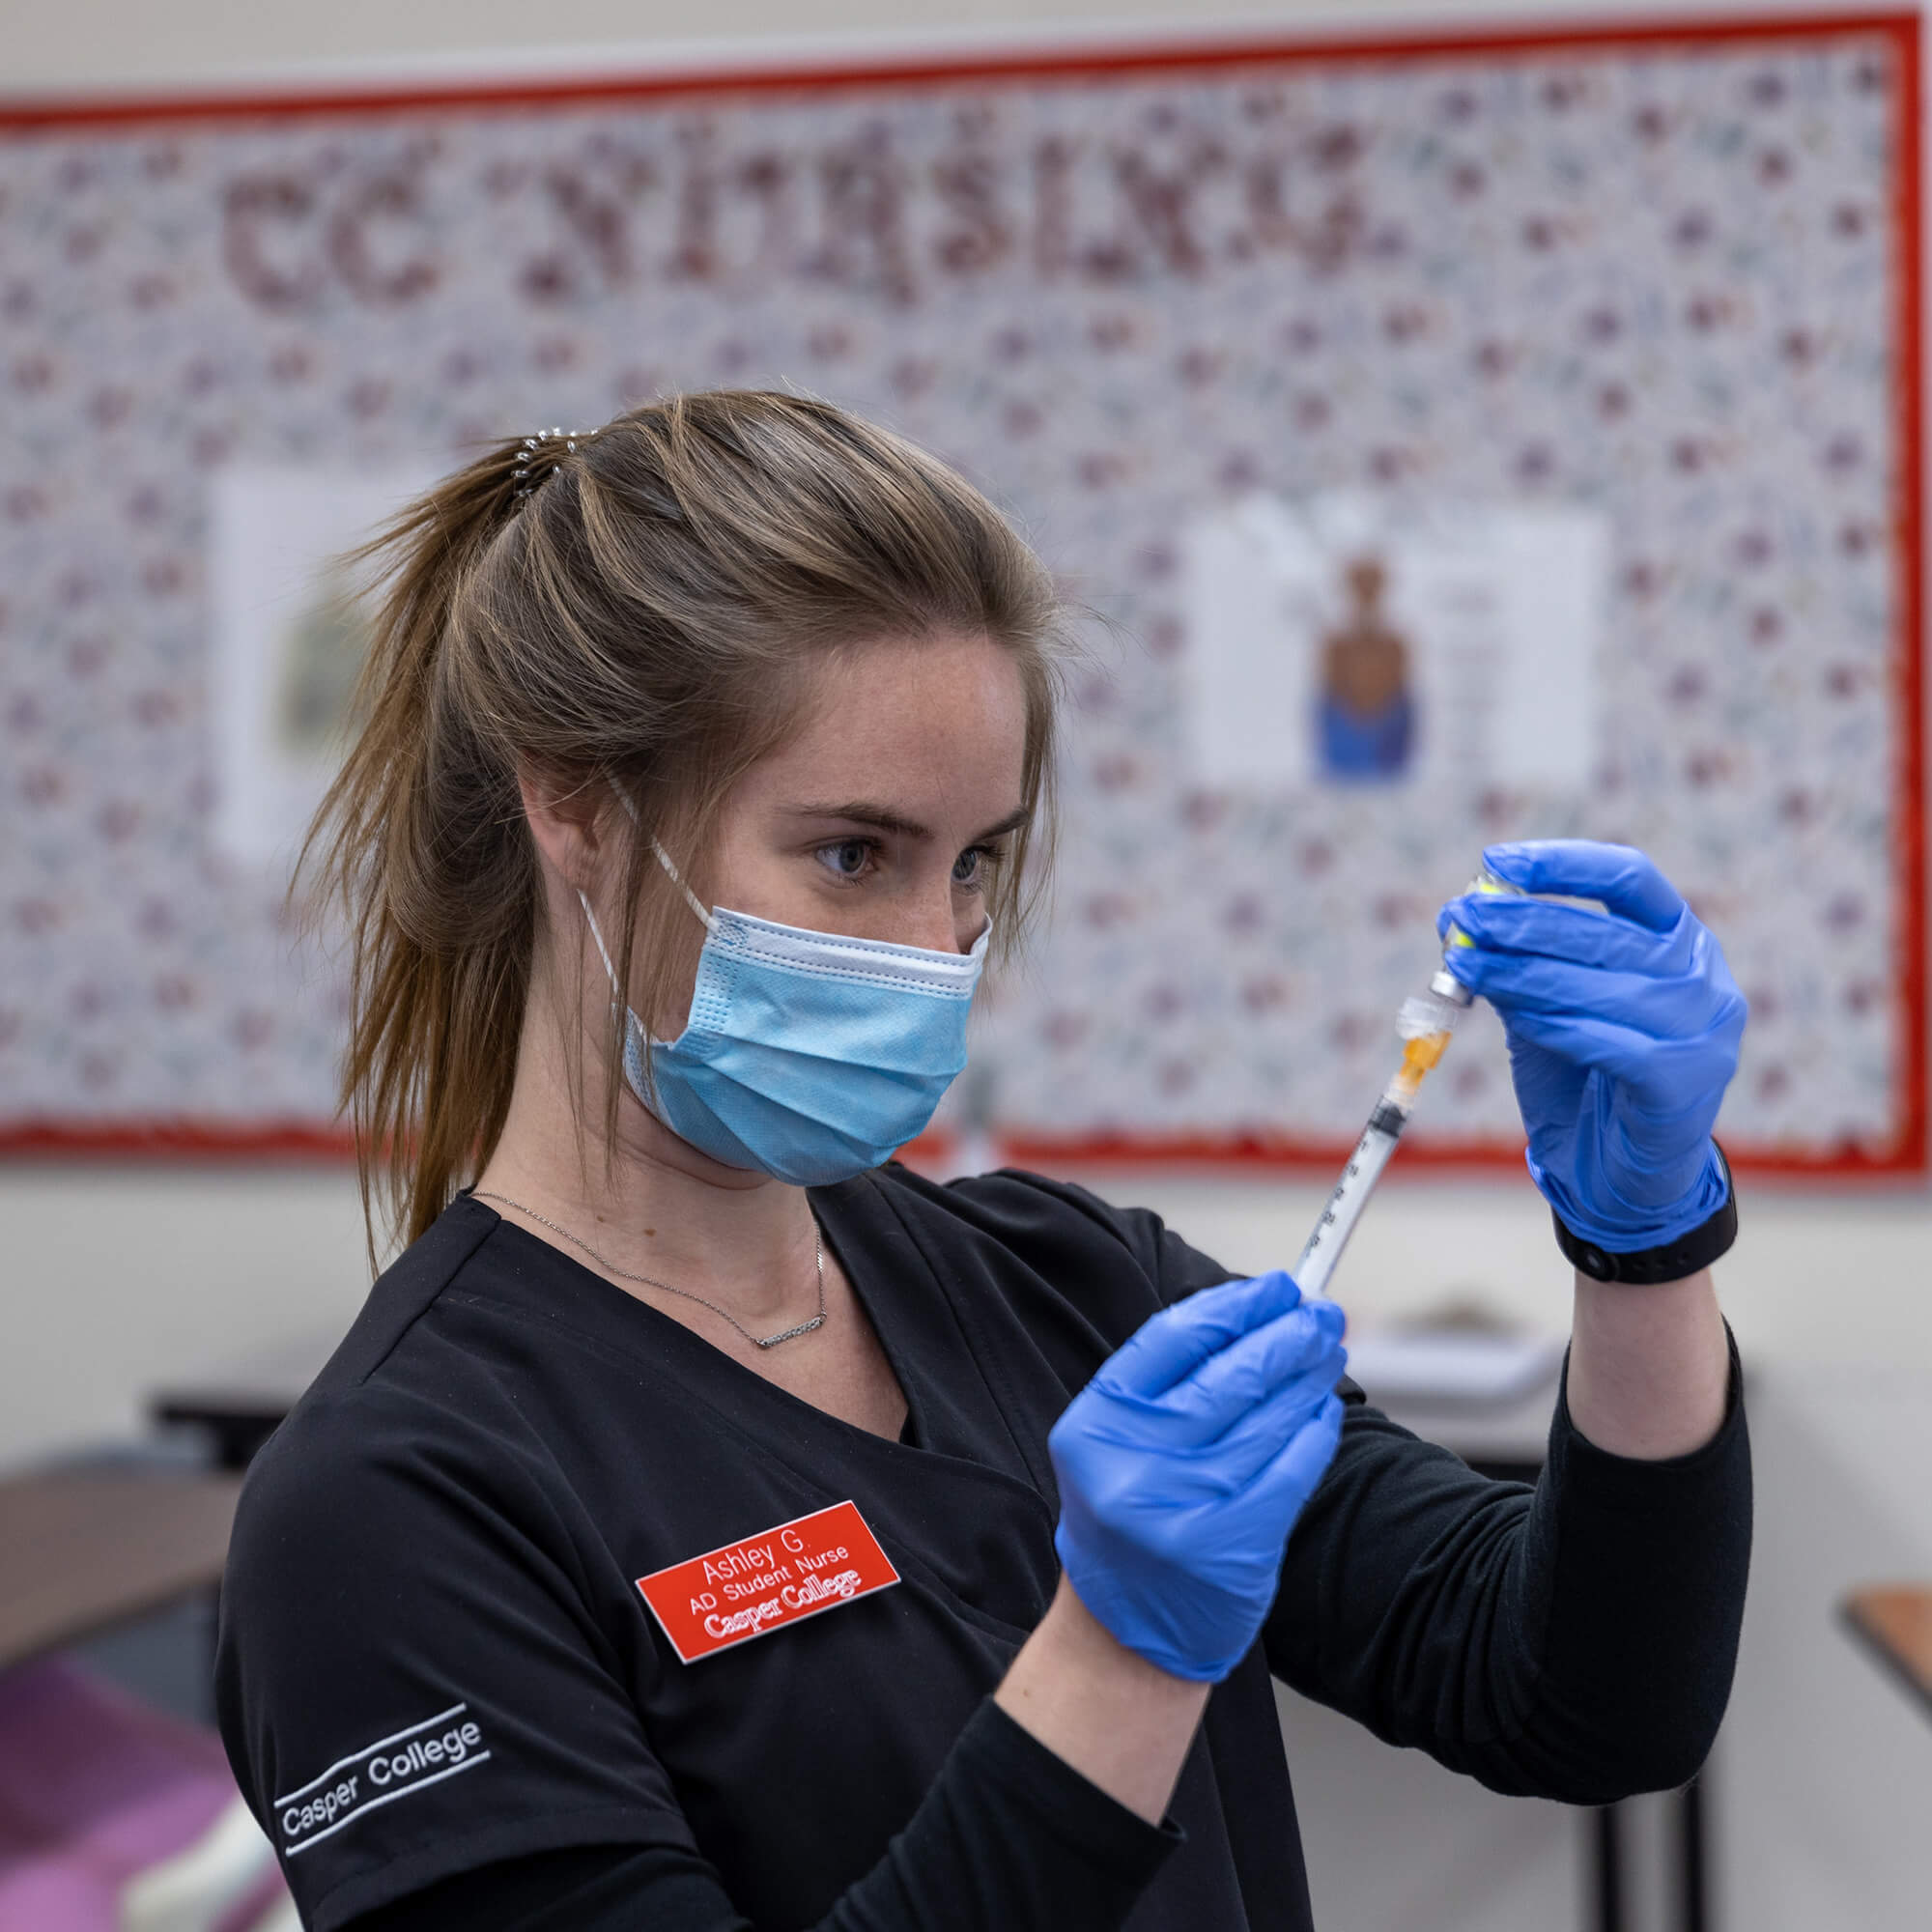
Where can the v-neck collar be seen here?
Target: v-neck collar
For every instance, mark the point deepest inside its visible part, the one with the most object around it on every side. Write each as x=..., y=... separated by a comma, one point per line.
x=953, y=1415
x=935, y=1347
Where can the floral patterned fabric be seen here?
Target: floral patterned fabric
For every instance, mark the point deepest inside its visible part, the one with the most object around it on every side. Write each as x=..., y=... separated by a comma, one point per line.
x=1657, y=280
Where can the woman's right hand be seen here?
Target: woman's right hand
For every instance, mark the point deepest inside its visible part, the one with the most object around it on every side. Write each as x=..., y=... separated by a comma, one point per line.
x=1184, y=1463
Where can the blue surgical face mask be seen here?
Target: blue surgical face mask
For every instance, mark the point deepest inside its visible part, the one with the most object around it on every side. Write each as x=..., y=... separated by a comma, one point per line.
x=808, y=1056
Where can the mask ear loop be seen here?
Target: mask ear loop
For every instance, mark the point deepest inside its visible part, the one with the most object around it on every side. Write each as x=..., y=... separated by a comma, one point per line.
x=690, y=898
x=597, y=932
x=609, y=967
x=603, y=950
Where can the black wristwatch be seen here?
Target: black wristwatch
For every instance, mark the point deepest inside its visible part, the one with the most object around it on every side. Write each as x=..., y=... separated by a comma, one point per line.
x=1672, y=1261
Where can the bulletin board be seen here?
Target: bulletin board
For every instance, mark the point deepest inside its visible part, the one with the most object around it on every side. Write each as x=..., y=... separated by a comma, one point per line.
x=1448, y=439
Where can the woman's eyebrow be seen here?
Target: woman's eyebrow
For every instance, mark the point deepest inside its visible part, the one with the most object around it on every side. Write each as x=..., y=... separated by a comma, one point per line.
x=1012, y=822
x=862, y=812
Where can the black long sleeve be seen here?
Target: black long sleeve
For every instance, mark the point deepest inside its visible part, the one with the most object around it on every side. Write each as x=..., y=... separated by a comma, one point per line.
x=1576, y=1640
x=1008, y=1834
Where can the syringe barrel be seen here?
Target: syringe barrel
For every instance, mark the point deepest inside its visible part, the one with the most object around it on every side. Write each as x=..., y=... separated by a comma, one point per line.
x=1351, y=1196
x=1437, y=1015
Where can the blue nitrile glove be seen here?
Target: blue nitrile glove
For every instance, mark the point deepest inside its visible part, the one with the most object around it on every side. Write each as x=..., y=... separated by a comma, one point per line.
x=1623, y=1033
x=1183, y=1464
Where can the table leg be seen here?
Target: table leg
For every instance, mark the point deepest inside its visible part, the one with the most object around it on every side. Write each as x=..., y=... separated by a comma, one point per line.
x=1693, y=1905
x=1608, y=1868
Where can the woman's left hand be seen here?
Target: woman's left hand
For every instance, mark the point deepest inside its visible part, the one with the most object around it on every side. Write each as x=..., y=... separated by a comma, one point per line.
x=1623, y=1030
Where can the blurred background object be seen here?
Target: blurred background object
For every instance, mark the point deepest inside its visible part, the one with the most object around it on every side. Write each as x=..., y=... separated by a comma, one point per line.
x=116, y=1818
x=1461, y=1354
x=118, y=1814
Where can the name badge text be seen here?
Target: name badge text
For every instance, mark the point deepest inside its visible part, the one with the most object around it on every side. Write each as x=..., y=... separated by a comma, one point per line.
x=782, y=1576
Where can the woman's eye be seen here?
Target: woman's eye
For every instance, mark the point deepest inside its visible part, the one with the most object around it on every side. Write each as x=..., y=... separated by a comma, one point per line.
x=848, y=857
x=969, y=869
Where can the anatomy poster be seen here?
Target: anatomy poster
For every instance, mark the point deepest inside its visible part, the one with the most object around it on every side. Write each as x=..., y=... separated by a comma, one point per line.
x=1345, y=641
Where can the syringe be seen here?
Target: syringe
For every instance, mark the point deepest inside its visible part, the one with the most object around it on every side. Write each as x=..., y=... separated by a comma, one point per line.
x=1425, y=1023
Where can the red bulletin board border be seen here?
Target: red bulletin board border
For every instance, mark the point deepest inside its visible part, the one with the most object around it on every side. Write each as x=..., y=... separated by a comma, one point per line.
x=1905, y=1158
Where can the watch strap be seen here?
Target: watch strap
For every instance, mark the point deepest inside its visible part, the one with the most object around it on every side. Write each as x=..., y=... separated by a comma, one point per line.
x=1672, y=1260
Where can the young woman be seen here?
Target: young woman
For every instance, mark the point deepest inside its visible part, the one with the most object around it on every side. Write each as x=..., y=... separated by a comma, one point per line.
x=535, y=1614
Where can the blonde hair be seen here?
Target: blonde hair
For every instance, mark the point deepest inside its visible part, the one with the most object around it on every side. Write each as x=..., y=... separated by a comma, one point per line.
x=639, y=611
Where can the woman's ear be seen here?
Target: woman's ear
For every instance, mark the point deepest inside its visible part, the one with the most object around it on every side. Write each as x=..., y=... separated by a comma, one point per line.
x=569, y=820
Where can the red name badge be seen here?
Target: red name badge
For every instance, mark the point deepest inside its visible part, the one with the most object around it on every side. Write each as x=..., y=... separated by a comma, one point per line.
x=779, y=1576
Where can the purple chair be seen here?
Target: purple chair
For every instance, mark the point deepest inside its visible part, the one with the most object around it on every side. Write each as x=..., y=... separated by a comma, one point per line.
x=117, y=1818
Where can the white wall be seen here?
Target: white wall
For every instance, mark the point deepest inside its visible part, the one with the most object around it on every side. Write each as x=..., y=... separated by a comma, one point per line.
x=117, y=1279
x=90, y=44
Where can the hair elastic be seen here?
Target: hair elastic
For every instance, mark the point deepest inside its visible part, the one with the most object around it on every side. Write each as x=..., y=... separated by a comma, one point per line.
x=524, y=476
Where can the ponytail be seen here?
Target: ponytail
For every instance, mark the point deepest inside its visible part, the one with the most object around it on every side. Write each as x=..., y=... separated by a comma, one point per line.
x=419, y=838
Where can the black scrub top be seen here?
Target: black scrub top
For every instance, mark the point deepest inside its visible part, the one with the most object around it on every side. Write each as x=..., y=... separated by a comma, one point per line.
x=434, y=1655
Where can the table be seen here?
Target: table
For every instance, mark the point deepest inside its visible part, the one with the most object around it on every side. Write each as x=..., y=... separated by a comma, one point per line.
x=1894, y=1623
x=87, y=1548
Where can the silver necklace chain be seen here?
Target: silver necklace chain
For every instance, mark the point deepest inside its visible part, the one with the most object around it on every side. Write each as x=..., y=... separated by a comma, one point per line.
x=651, y=1281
